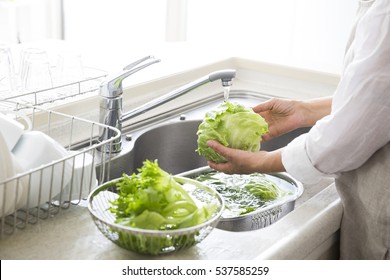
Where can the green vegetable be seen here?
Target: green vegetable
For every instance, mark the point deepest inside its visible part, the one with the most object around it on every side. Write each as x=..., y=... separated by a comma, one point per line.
x=233, y=125
x=265, y=190
x=243, y=193
x=153, y=200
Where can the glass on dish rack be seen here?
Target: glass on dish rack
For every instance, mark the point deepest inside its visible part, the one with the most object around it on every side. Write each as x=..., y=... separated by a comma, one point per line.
x=36, y=75
x=7, y=72
x=68, y=73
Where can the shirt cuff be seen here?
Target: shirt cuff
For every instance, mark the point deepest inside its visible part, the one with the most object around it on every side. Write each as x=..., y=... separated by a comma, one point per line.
x=297, y=162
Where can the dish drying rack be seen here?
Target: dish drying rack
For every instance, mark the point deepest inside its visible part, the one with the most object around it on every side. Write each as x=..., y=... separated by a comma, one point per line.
x=72, y=91
x=79, y=136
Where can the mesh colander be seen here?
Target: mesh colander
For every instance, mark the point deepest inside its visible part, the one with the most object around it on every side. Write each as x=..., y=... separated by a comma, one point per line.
x=153, y=242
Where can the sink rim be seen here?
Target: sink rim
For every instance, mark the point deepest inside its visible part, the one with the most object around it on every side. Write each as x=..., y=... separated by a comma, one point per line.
x=171, y=114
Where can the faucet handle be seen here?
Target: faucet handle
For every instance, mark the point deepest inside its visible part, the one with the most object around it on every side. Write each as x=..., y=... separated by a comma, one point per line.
x=111, y=87
x=135, y=63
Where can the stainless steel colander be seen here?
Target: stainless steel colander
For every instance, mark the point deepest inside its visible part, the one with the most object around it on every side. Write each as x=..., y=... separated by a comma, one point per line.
x=263, y=216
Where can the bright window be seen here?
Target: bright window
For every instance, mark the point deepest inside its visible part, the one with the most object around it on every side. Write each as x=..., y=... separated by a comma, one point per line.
x=118, y=21
x=29, y=20
x=301, y=30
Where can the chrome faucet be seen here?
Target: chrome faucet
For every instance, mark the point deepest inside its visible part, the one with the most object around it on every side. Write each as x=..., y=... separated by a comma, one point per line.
x=111, y=101
x=111, y=93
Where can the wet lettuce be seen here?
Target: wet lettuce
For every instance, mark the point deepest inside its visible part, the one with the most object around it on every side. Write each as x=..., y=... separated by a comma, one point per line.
x=152, y=199
x=233, y=125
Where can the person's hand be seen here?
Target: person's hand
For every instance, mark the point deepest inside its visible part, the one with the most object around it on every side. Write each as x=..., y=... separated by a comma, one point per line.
x=284, y=115
x=244, y=162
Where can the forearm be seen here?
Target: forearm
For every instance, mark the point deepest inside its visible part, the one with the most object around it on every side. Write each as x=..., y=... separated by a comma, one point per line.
x=272, y=162
x=315, y=109
x=262, y=161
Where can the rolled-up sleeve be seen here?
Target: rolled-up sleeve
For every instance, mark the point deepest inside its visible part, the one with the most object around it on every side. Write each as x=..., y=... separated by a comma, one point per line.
x=297, y=162
x=359, y=123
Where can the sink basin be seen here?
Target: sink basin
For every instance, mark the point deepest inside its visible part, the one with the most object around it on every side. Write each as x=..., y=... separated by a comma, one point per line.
x=173, y=145
x=173, y=141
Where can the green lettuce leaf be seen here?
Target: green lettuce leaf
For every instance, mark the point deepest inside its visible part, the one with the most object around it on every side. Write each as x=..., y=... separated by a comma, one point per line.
x=152, y=199
x=232, y=125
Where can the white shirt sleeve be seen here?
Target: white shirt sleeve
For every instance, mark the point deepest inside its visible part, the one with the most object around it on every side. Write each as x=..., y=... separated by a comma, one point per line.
x=359, y=123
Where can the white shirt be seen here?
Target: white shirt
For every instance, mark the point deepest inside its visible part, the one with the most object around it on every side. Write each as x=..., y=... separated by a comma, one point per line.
x=359, y=123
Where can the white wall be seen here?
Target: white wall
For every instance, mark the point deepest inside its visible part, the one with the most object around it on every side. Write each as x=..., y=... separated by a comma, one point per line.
x=305, y=31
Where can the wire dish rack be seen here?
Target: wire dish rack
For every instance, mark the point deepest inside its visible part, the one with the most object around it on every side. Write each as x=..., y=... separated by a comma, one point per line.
x=44, y=191
x=74, y=90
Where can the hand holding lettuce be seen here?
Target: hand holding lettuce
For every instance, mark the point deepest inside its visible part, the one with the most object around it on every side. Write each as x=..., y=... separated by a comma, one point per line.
x=232, y=125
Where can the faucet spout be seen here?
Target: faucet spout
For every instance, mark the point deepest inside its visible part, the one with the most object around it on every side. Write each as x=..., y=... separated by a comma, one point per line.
x=226, y=76
x=114, y=116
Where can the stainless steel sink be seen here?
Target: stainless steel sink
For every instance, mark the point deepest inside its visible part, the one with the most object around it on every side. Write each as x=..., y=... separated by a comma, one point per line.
x=173, y=145
x=171, y=138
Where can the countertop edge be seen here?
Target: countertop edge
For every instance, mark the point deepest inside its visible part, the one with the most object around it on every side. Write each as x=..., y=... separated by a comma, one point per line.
x=313, y=223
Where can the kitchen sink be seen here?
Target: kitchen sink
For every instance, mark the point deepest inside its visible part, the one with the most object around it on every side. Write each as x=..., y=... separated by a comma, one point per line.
x=172, y=142
x=172, y=139
x=173, y=145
